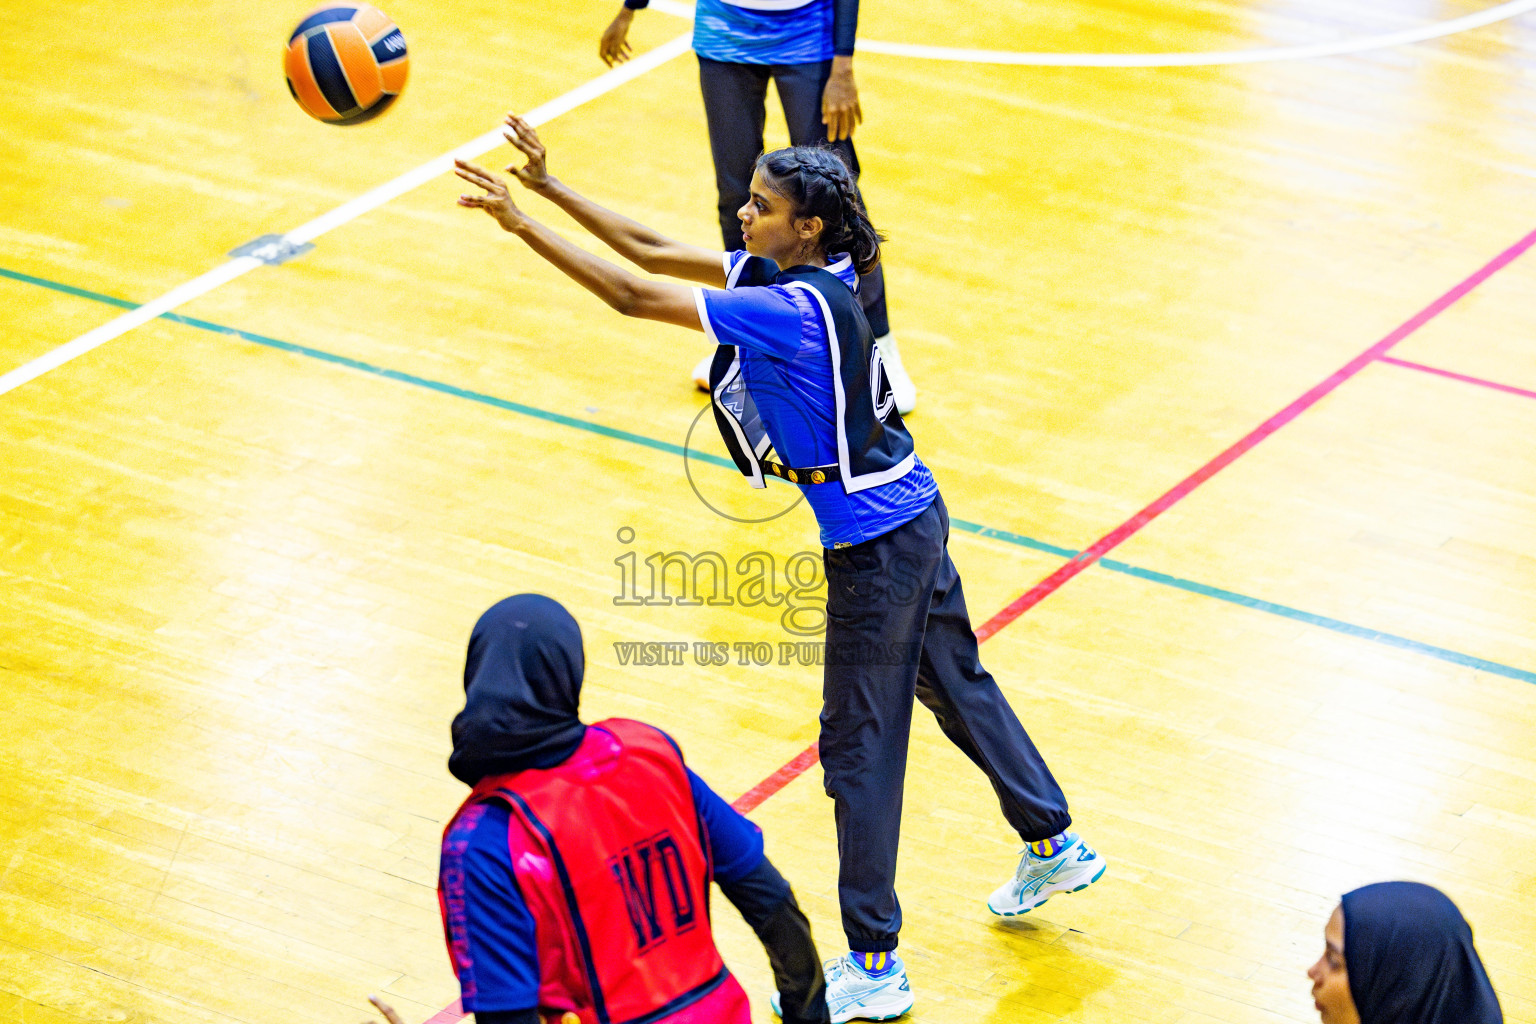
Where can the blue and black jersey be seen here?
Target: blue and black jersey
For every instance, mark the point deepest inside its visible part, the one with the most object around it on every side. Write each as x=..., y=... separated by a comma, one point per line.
x=772, y=31
x=813, y=411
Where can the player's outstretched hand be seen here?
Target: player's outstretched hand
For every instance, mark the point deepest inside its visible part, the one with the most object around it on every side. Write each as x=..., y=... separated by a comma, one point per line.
x=614, y=46
x=388, y=1011
x=521, y=134
x=495, y=202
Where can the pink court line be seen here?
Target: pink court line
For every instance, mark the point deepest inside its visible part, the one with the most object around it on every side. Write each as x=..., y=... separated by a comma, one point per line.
x=1119, y=534
x=1480, y=382
x=447, y=1015
x=802, y=761
x=786, y=774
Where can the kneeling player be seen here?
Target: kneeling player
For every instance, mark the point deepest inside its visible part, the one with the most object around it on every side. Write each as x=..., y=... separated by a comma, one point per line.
x=575, y=877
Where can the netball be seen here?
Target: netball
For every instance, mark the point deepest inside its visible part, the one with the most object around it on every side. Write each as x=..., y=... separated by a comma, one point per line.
x=346, y=63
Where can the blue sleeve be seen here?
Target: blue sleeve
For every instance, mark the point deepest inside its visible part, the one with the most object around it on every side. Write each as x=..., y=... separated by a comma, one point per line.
x=736, y=843
x=845, y=25
x=743, y=270
x=490, y=931
x=762, y=319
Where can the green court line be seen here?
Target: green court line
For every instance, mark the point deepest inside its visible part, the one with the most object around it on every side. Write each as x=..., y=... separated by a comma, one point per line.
x=1322, y=621
x=385, y=372
x=1008, y=537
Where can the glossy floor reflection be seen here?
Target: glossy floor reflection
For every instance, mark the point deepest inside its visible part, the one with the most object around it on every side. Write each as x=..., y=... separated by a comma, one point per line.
x=243, y=549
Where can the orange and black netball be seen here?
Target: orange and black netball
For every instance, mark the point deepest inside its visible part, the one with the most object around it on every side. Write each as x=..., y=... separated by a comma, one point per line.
x=346, y=63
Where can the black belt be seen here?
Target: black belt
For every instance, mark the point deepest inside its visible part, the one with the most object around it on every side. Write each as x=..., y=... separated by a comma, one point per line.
x=809, y=475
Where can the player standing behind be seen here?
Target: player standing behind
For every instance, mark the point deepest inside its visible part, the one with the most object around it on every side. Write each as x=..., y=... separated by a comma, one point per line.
x=796, y=356
x=806, y=48
x=574, y=882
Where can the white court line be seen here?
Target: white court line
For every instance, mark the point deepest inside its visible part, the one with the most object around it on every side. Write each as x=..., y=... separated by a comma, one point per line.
x=342, y=214
x=1439, y=30
x=625, y=72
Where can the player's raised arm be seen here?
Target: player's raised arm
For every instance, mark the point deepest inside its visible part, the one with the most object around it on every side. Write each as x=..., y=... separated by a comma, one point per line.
x=647, y=249
x=630, y=295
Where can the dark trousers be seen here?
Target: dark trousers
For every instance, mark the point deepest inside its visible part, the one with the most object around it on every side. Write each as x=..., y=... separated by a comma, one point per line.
x=736, y=105
x=897, y=628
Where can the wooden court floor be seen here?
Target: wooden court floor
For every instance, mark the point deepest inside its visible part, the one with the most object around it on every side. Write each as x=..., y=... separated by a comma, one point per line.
x=1259, y=338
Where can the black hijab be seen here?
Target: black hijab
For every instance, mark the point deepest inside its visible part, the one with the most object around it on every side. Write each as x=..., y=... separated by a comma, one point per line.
x=522, y=683
x=1410, y=958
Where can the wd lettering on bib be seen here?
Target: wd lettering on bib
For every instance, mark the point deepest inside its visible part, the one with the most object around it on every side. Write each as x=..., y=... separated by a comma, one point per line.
x=635, y=871
x=622, y=937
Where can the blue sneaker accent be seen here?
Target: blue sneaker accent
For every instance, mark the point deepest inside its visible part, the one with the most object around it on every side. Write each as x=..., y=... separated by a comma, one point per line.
x=875, y=965
x=853, y=994
x=1037, y=879
x=1048, y=848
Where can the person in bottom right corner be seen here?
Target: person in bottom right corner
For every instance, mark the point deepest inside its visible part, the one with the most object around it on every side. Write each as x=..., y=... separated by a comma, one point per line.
x=1400, y=953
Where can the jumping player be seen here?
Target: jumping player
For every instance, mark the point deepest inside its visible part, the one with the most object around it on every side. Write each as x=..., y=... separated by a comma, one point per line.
x=796, y=371
x=805, y=47
x=574, y=882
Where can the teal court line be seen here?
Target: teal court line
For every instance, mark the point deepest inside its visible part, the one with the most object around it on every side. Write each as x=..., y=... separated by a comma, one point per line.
x=1008, y=537
x=381, y=371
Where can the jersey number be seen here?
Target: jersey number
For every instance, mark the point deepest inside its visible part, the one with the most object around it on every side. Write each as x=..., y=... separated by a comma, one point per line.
x=880, y=386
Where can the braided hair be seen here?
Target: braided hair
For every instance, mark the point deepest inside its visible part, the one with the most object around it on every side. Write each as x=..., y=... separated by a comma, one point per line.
x=818, y=183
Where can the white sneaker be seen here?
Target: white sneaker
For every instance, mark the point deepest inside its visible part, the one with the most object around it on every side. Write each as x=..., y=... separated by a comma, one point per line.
x=854, y=995
x=901, y=384
x=701, y=372
x=1037, y=879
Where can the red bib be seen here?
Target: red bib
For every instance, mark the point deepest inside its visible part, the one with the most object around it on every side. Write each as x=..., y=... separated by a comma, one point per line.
x=612, y=861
